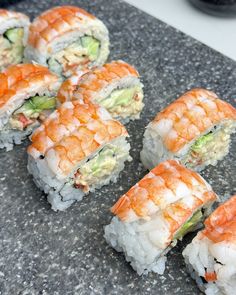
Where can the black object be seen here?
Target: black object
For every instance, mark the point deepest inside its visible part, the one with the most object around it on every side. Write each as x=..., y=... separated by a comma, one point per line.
x=6, y=3
x=217, y=7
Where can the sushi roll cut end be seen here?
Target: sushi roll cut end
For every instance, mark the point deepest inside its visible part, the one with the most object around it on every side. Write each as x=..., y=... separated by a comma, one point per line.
x=66, y=38
x=160, y=209
x=78, y=149
x=13, y=35
x=211, y=256
x=116, y=86
x=27, y=96
x=195, y=129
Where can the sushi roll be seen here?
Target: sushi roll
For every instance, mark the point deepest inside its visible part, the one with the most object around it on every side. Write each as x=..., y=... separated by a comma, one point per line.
x=211, y=256
x=27, y=95
x=66, y=37
x=115, y=86
x=194, y=129
x=77, y=149
x=13, y=37
x=156, y=212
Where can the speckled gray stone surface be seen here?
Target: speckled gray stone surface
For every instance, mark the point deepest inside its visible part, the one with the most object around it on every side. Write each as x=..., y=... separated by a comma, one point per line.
x=43, y=252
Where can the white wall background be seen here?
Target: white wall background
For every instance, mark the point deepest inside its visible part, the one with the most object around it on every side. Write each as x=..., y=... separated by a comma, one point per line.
x=218, y=33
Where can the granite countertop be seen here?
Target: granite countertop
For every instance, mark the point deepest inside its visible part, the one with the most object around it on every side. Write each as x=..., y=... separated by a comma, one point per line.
x=43, y=252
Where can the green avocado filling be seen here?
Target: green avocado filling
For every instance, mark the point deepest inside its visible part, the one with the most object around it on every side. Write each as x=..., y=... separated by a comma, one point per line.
x=36, y=105
x=14, y=35
x=99, y=167
x=84, y=50
x=189, y=225
x=211, y=147
x=121, y=97
x=92, y=47
x=203, y=140
x=31, y=112
x=103, y=163
x=123, y=103
x=11, y=47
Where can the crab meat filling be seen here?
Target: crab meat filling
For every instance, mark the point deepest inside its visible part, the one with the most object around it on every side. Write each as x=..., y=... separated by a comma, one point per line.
x=211, y=147
x=33, y=110
x=81, y=52
x=123, y=102
x=99, y=168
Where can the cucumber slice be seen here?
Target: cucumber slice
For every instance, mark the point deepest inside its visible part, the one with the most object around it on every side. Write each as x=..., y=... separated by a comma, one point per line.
x=15, y=35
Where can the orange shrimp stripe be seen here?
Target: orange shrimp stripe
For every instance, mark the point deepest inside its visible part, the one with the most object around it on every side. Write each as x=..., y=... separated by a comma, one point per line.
x=98, y=79
x=57, y=20
x=84, y=141
x=161, y=182
x=221, y=224
x=191, y=114
x=20, y=76
x=66, y=121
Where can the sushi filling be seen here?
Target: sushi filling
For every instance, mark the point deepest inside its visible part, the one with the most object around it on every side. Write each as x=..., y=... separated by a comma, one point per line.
x=11, y=47
x=100, y=167
x=32, y=111
x=210, y=148
x=123, y=102
x=83, y=51
x=210, y=264
x=190, y=225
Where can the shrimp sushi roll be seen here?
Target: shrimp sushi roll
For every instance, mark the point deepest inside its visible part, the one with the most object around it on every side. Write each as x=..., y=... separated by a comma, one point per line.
x=27, y=95
x=211, y=256
x=77, y=149
x=115, y=86
x=65, y=38
x=13, y=36
x=156, y=212
x=194, y=129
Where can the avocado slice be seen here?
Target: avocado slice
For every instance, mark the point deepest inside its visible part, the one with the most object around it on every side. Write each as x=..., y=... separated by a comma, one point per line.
x=37, y=104
x=189, y=225
x=15, y=35
x=202, y=141
x=92, y=45
x=104, y=161
x=120, y=97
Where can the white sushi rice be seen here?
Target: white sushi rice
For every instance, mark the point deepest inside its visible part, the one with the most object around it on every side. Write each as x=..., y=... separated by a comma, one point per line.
x=11, y=23
x=136, y=241
x=60, y=190
x=12, y=51
x=10, y=137
x=154, y=150
x=145, y=242
x=203, y=255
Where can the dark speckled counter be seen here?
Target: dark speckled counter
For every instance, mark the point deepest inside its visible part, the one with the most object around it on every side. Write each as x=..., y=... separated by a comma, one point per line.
x=43, y=252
